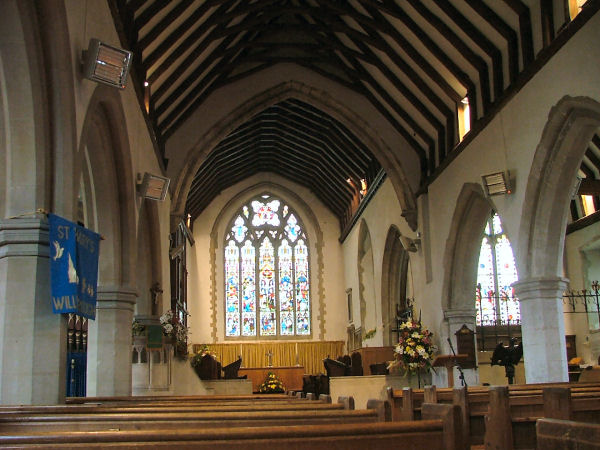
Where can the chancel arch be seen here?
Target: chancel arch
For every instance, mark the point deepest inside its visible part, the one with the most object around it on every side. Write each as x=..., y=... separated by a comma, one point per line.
x=395, y=285
x=314, y=96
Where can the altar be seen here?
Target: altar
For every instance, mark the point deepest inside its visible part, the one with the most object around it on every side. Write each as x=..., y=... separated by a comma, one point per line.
x=290, y=376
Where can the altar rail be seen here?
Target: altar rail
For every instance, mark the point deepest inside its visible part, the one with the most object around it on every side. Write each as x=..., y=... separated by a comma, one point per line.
x=254, y=354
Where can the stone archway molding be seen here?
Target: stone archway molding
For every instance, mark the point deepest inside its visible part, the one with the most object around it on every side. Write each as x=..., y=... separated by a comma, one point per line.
x=311, y=95
x=571, y=125
x=462, y=248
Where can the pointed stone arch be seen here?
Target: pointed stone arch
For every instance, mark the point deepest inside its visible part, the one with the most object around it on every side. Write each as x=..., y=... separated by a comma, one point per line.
x=317, y=98
x=462, y=249
x=106, y=161
x=394, y=282
x=366, y=280
x=570, y=127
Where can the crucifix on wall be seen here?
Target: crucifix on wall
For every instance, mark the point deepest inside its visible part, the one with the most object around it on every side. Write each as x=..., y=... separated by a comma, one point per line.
x=269, y=356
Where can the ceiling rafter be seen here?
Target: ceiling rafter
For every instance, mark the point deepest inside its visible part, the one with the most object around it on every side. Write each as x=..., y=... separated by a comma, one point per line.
x=413, y=61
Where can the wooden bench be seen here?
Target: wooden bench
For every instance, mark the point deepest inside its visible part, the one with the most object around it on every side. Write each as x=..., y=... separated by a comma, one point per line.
x=427, y=434
x=511, y=420
x=172, y=420
x=473, y=402
x=555, y=434
x=181, y=398
x=185, y=408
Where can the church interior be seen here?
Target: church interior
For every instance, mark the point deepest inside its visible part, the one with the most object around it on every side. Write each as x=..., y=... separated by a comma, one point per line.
x=279, y=183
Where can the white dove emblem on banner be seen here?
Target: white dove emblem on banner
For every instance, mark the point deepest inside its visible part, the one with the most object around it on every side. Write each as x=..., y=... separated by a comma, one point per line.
x=58, y=251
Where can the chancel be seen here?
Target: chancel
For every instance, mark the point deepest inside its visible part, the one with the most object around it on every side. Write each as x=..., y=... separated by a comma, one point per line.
x=354, y=201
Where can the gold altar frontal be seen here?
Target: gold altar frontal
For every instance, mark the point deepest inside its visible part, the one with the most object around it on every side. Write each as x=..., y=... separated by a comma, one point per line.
x=290, y=376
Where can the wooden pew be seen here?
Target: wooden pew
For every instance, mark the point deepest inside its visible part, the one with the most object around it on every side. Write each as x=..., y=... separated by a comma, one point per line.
x=171, y=420
x=181, y=398
x=511, y=419
x=185, y=408
x=555, y=434
x=451, y=418
x=427, y=434
x=474, y=402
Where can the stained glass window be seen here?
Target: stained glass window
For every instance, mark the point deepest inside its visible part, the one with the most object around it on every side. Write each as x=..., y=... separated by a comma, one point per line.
x=495, y=299
x=267, y=286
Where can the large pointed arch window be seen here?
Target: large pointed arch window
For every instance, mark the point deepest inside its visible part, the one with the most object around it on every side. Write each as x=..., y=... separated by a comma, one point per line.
x=495, y=298
x=267, y=289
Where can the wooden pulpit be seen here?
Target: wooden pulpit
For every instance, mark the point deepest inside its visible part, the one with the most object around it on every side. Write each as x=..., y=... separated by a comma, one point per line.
x=449, y=361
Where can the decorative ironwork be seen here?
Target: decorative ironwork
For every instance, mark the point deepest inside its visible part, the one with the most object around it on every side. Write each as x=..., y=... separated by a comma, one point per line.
x=589, y=299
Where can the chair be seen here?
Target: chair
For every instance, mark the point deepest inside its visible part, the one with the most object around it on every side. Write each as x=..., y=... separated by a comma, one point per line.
x=209, y=368
x=379, y=369
x=335, y=368
x=230, y=371
x=356, y=370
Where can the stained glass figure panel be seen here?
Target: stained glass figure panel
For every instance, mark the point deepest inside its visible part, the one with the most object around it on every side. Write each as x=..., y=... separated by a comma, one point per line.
x=232, y=302
x=239, y=229
x=268, y=319
x=286, y=289
x=302, y=290
x=248, y=290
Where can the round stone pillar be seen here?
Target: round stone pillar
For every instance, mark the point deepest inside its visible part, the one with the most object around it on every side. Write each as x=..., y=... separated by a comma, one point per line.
x=543, y=329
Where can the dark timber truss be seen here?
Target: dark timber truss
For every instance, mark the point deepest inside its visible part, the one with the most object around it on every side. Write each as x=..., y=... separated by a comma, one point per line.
x=413, y=60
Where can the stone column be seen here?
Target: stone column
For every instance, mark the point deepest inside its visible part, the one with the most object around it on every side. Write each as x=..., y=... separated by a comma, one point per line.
x=109, y=347
x=543, y=329
x=33, y=343
x=456, y=318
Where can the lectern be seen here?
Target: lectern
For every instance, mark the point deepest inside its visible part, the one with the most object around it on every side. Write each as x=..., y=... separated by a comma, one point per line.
x=449, y=361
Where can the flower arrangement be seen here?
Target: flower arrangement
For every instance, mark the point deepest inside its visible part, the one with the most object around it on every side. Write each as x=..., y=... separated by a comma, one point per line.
x=271, y=385
x=414, y=351
x=175, y=330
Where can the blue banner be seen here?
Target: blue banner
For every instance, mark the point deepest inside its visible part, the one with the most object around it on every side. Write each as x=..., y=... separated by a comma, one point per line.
x=73, y=267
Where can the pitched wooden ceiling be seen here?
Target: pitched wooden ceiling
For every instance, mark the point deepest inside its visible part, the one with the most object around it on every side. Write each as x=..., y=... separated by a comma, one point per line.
x=413, y=60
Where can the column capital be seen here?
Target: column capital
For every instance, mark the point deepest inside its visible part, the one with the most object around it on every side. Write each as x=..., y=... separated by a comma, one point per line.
x=24, y=236
x=465, y=314
x=116, y=297
x=549, y=288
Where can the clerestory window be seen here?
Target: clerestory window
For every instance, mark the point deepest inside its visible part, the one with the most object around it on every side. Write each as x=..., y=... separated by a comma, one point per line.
x=267, y=289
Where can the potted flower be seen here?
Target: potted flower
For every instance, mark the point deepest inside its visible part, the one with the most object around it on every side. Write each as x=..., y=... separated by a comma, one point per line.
x=414, y=351
x=271, y=385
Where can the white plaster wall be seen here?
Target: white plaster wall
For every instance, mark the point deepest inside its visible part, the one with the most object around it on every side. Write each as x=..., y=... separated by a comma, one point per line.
x=381, y=213
x=217, y=215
